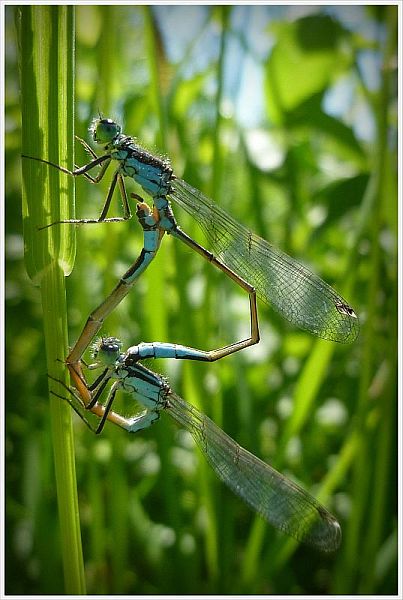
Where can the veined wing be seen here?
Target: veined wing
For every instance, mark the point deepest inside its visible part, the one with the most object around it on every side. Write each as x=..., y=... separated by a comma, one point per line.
x=300, y=296
x=280, y=501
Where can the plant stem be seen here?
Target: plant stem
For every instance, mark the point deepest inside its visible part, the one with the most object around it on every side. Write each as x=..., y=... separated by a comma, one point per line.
x=46, y=43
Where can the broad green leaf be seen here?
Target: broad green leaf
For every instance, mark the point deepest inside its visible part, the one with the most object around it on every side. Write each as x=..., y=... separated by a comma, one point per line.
x=309, y=53
x=47, y=94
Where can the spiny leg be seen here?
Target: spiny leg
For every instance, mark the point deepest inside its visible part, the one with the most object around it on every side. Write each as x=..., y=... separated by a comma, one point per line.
x=81, y=170
x=131, y=424
x=122, y=188
x=117, y=178
x=94, y=407
x=108, y=406
x=125, y=203
x=86, y=146
x=103, y=160
x=79, y=411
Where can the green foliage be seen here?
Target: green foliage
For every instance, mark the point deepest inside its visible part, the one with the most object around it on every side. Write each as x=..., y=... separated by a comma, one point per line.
x=154, y=519
x=315, y=43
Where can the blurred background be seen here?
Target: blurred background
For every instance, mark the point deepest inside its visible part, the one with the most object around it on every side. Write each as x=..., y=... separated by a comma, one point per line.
x=287, y=117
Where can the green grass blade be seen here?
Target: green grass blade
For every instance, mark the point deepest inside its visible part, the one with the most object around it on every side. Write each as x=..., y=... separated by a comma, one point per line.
x=44, y=61
x=46, y=42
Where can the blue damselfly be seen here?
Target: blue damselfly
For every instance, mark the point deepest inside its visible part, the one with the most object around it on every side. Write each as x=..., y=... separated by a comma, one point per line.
x=258, y=267
x=281, y=502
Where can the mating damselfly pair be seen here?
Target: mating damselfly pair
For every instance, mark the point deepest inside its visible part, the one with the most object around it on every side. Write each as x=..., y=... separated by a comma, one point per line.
x=251, y=262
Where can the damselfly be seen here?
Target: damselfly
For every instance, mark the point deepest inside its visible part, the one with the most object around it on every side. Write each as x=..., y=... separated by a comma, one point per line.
x=280, y=501
x=279, y=280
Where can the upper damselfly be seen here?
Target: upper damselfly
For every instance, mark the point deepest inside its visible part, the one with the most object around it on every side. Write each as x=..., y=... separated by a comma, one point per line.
x=300, y=296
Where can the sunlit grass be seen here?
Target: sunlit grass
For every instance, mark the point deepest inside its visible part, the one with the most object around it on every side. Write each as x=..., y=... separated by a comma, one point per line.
x=49, y=255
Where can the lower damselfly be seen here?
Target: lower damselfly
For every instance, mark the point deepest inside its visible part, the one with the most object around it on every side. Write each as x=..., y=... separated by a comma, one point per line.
x=280, y=501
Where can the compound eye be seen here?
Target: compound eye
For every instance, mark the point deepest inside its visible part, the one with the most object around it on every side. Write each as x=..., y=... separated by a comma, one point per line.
x=105, y=130
x=111, y=344
x=108, y=125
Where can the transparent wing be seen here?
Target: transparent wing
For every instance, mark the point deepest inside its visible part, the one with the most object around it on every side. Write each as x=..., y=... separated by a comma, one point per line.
x=280, y=501
x=296, y=293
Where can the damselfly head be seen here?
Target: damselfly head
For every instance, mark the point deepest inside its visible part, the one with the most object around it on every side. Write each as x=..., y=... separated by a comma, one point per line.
x=106, y=350
x=104, y=131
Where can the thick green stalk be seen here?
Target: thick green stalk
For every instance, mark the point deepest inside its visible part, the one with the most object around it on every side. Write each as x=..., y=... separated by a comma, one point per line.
x=46, y=43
